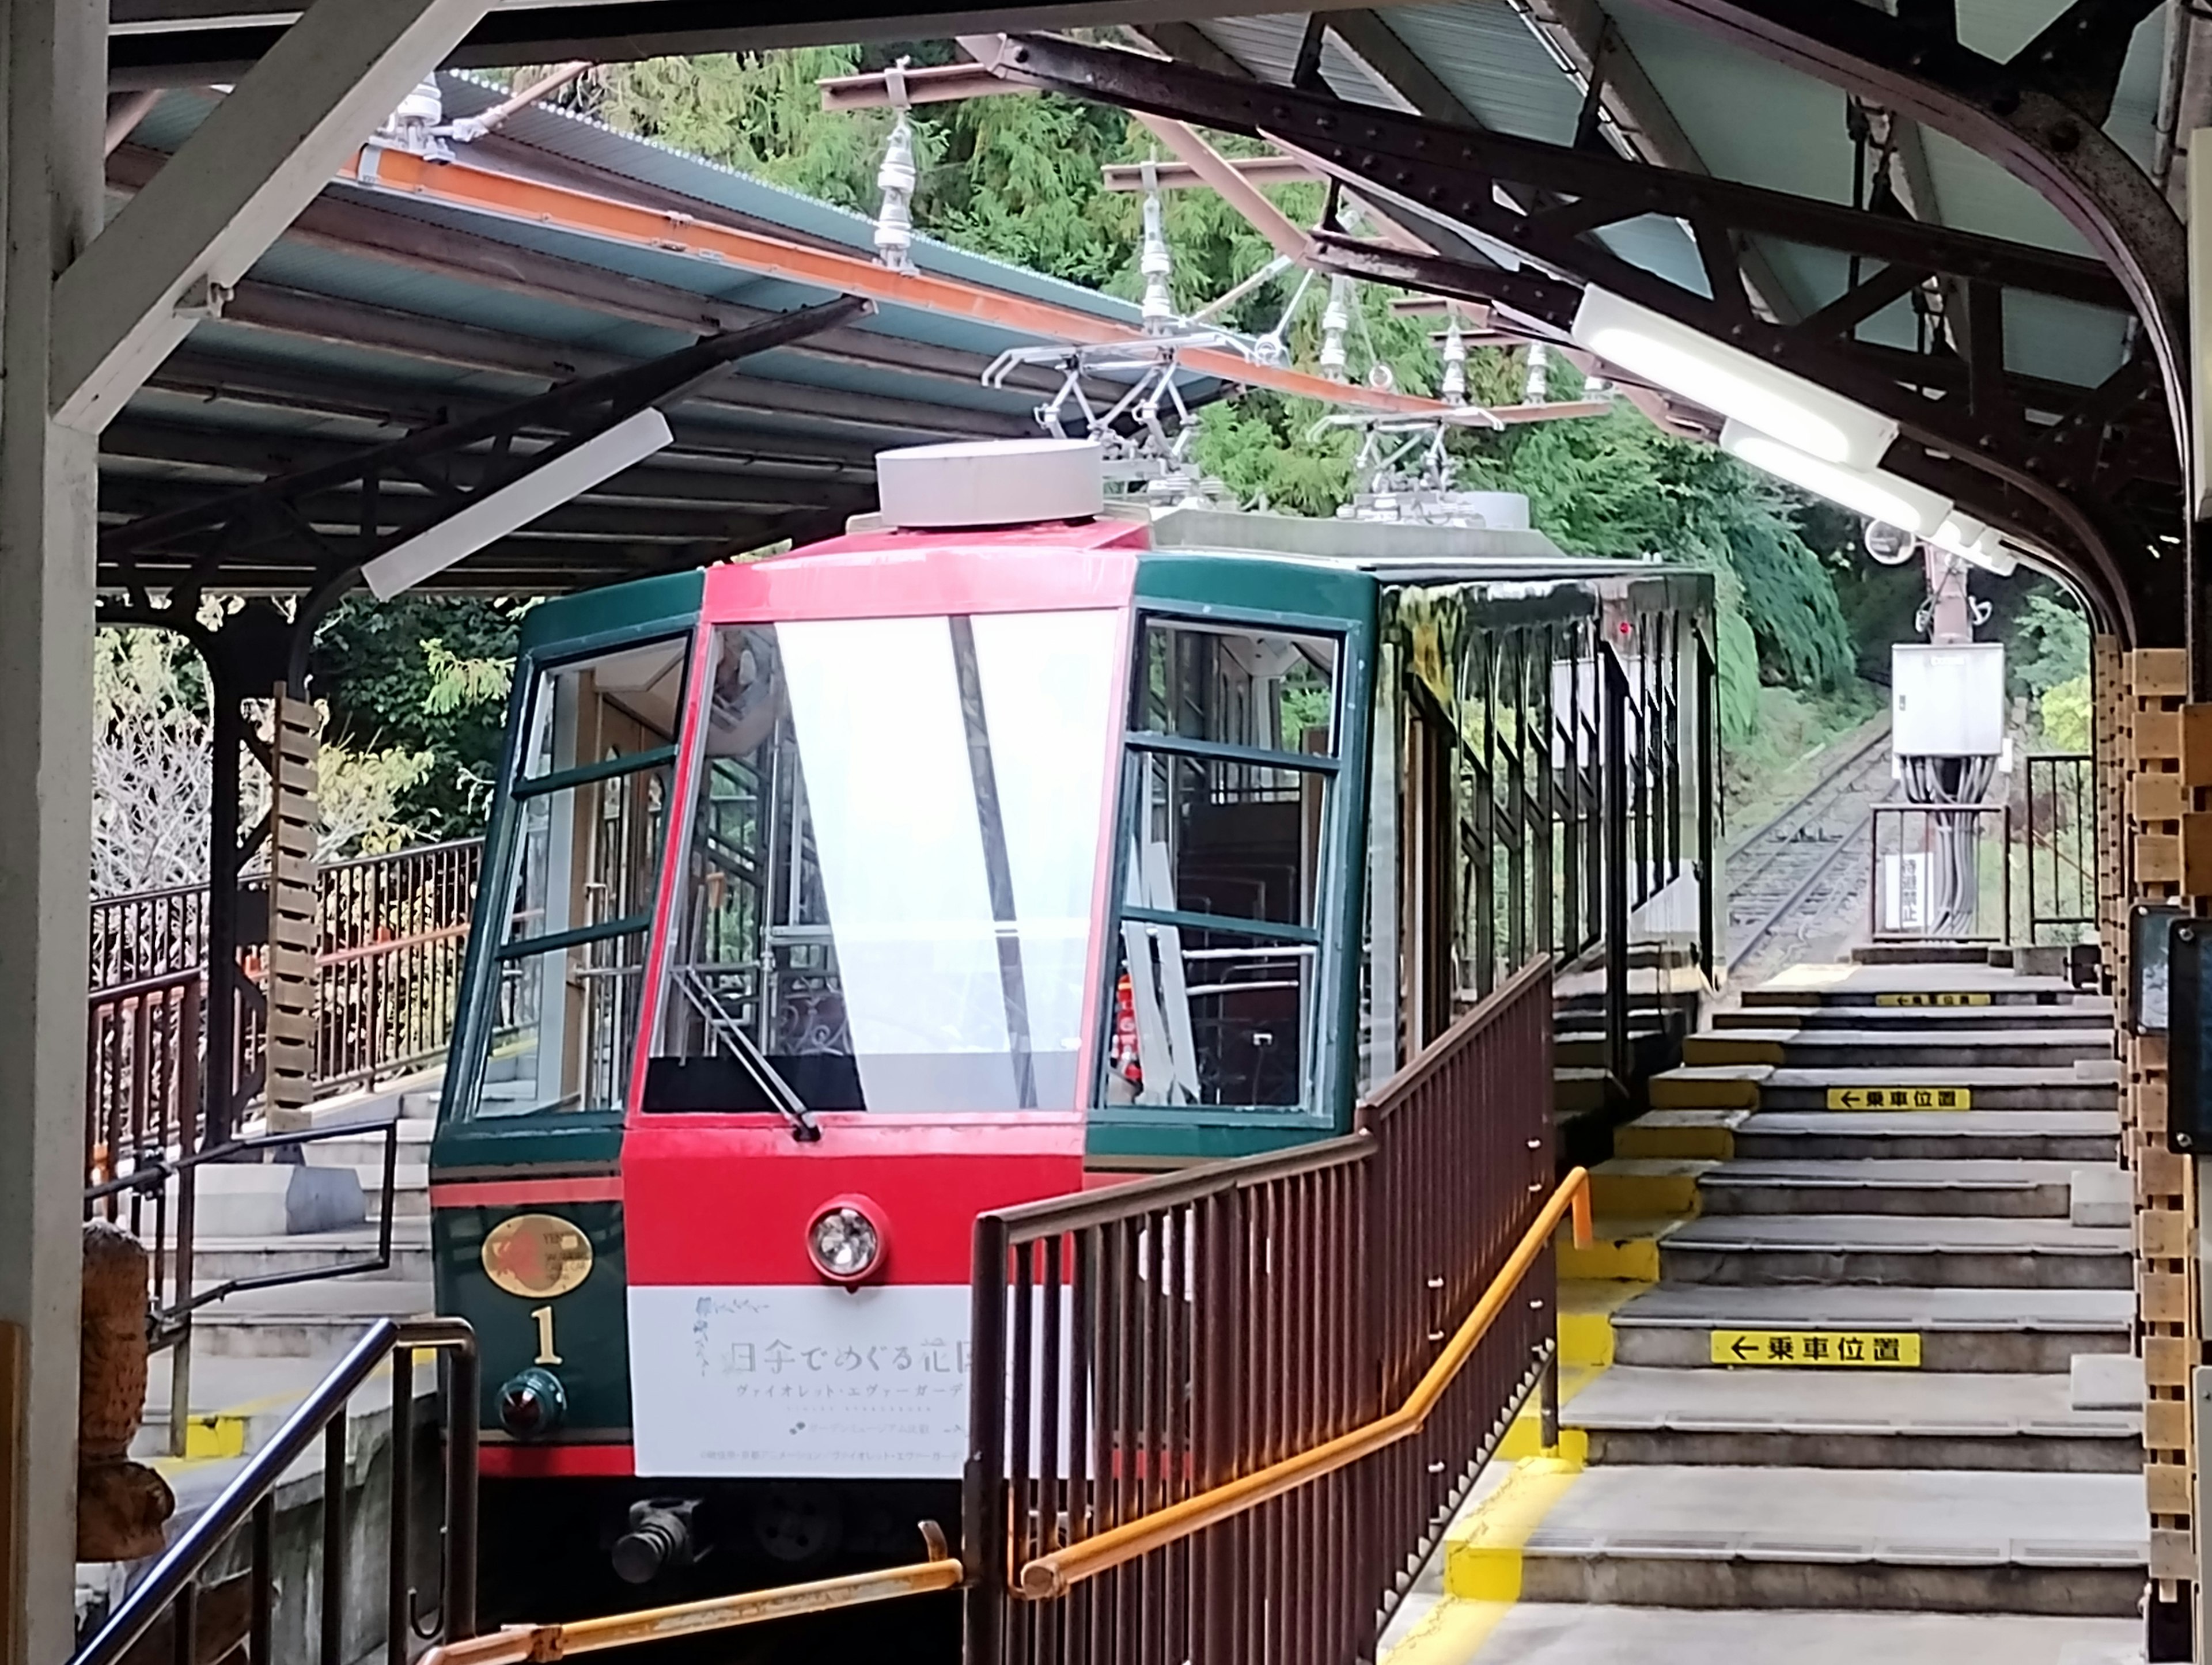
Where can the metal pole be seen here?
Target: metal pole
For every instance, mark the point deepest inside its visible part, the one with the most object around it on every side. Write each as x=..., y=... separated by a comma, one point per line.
x=188, y=1112
x=982, y=1504
x=1548, y=1401
x=1615, y=797
x=462, y=1410
x=399, y=1588
x=229, y=740
x=1709, y=880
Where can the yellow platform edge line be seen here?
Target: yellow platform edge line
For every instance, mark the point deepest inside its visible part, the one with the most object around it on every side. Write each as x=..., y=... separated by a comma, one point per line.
x=1483, y=1551
x=219, y=1435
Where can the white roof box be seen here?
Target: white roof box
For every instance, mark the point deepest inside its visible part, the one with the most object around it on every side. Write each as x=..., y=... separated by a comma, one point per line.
x=990, y=483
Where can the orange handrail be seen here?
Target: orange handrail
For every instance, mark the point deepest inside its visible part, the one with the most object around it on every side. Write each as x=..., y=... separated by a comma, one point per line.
x=534, y=1644
x=1052, y=1575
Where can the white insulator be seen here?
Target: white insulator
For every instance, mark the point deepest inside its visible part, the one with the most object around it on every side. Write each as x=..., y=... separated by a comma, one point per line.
x=896, y=179
x=1336, y=320
x=1539, y=390
x=1454, y=382
x=1157, y=265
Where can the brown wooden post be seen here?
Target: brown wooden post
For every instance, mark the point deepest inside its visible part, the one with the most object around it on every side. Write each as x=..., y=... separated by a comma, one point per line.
x=294, y=820
x=2157, y=798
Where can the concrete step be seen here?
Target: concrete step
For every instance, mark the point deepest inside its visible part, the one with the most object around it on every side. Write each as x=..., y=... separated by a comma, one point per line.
x=215, y=1260
x=2084, y=1014
x=1920, y=1252
x=367, y=1150
x=1991, y=1088
x=2079, y=1136
x=1541, y=1634
x=1940, y=1541
x=1913, y=1049
x=2015, y=1189
x=304, y=1321
x=2005, y=1331
x=1977, y=954
x=1866, y=985
x=1814, y=1418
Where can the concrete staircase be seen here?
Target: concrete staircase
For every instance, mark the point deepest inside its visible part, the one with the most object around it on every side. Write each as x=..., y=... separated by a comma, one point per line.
x=241, y=1234
x=1981, y=1250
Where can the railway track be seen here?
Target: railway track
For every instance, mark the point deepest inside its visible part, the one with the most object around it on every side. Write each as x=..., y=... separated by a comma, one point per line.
x=1796, y=857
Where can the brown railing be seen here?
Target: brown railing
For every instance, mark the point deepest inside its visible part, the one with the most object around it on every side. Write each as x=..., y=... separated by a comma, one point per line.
x=146, y=933
x=182, y=1609
x=142, y=1081
x=2059, y=822
x=1226, y=1413
x=394, y=930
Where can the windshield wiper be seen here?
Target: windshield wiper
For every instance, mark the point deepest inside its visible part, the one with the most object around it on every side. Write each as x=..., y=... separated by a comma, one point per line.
x=731, y=1033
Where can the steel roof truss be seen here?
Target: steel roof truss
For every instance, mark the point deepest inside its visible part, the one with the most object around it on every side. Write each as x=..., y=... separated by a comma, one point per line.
x=206, y=534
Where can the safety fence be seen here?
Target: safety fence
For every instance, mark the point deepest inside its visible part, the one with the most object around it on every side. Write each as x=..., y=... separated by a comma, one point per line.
x=2017, y=868
x=2057, y=850
x=197, y=1602
x=393, y=929
x=1182, y=1437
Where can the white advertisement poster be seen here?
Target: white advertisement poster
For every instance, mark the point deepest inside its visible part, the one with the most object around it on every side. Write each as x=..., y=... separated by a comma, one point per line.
x=800, y=1382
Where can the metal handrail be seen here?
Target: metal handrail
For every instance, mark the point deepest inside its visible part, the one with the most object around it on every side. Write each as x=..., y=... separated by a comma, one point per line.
x=1053, y=1574
x=173, y=1579
x=517, y=1644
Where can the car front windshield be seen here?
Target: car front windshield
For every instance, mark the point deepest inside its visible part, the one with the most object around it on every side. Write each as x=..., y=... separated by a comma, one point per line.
x=888, y=896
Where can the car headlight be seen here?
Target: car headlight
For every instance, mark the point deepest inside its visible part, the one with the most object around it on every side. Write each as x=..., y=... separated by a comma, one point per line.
x=845, y=1242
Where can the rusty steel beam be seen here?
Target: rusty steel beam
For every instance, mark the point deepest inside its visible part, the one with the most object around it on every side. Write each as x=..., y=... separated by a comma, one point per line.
x=2039, y=116
x=1455, y=171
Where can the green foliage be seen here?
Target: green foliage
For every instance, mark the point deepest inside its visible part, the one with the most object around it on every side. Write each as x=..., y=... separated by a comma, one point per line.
x=2048, y=643
x=1617, y=486
x=1020, y=177
x=457, y=683
x=759, y=112
x=422, y=674
x=2063, y=707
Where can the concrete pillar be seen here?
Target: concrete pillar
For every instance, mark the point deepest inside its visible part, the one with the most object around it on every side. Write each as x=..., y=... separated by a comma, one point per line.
x=53, y=95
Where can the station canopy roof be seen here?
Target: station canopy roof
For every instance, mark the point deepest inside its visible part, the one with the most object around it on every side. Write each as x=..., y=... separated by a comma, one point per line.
x=414, y=293
x=1894, y=111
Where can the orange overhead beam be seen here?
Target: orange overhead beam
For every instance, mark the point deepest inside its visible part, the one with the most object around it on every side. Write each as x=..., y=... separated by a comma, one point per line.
x=534, y=201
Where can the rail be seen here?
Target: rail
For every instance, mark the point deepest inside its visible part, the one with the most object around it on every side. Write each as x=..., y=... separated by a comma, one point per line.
x=518, y=1644
x=2059, y=823
x=1227, y=1412
x=393, y=930
x=1941, y=872
x=1055, y=1574
x=145, y=1141
x=170, y=1591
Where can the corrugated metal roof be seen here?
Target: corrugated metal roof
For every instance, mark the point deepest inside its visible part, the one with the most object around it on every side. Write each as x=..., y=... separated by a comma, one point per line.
x=351, y=332
x=580, y=138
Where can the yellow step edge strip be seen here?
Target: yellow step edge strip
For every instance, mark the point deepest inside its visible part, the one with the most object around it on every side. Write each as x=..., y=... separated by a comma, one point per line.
x=1483, y=1551
x=219, y=1435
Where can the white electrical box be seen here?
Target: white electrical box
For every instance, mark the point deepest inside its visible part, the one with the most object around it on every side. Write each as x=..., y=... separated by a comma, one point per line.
x=1947, y=701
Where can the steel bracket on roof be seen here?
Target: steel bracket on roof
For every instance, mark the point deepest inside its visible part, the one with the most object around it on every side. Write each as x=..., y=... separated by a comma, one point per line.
x=335, y=518
x=2039, y=115
x=1955, y=407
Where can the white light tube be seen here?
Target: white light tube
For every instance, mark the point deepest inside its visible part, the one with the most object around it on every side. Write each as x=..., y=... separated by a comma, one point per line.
x=1877, y=495
x=515, y=504
x=1801, y=413
x=1974, y=543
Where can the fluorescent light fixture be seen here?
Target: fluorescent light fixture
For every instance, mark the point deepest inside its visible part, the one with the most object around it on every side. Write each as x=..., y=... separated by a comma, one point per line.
x=516, y=504
x=1877, y=495
x=1974, y=543
x=1726, y=378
